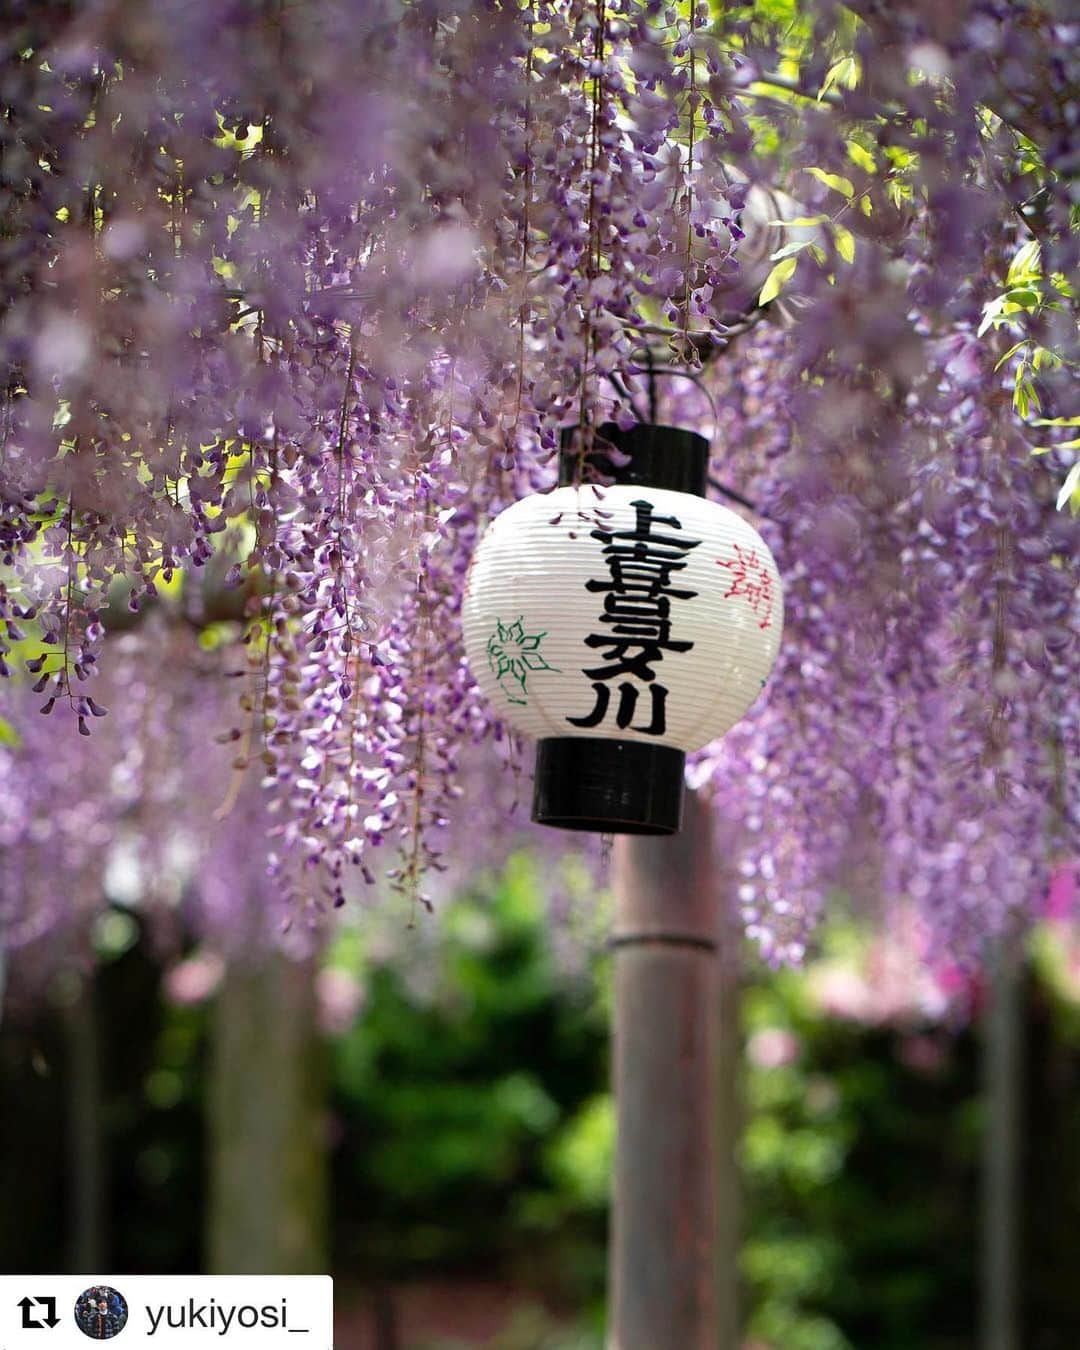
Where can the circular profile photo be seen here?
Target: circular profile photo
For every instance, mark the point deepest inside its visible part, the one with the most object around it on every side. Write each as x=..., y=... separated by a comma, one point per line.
x=100, y=1312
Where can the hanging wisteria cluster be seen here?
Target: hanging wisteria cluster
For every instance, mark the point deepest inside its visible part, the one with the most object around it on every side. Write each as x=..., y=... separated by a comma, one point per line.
x=296, y=298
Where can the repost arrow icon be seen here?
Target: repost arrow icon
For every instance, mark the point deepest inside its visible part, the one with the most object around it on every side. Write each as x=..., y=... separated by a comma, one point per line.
x=30, y=1323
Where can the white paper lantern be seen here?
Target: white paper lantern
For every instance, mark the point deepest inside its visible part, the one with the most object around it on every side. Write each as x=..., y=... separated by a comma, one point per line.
x=621, y=627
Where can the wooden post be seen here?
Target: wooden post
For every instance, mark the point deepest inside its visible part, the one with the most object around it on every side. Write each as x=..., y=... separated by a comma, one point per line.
x=669, y=1289
x=269, y=1184
x=1003, y=1072
x=88, y=1242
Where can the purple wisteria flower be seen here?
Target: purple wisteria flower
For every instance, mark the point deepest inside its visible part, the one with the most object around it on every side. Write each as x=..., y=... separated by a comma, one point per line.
x=295, y=299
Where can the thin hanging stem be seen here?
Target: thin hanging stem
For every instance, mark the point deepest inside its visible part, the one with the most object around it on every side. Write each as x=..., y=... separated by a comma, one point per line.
x=688, y=288
x=526, y=225
x=592, y=257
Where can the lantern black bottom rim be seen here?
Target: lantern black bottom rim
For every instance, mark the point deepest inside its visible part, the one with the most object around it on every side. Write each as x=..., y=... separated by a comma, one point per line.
x=608, y=786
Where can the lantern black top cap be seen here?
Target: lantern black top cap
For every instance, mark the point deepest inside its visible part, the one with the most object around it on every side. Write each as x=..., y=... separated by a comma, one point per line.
x=645, y=456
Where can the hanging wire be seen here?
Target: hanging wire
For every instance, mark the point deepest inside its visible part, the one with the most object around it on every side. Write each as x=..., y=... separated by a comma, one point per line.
x=625, y=394
x=734, y=496
x=651, y=370
x=650, y=361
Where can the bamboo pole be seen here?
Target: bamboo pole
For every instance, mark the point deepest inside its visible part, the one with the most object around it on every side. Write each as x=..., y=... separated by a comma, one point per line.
x=1003, y=1071
x=669, y=1287
x=88, y=1240
x=269, y=1180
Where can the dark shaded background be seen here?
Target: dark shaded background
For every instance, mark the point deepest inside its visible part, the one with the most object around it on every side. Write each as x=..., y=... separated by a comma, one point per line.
x=470, y=1132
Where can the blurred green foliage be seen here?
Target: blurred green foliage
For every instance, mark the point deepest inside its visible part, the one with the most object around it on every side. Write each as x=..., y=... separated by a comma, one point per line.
x=472, y=1134
x=859, y=1160
x=467, y=1098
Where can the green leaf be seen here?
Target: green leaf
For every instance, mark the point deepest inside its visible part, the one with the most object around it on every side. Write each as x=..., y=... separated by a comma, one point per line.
x=789, y=250
x=1043, y=356
x=900, y=157
x=898, y=192
x=1026, y=264
x=9, y=737
x=1070, y=488
x=836, y=181
x=777, y=279
x=1011, y=352
x=801, y=221
x=1025, y=395
x=862, y=157
x=845, y=243
x=1022, y=296
x=1062, y=445
x=844, y=72
x=991, y=312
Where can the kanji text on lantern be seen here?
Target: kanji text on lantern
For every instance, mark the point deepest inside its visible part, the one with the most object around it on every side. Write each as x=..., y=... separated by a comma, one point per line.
x=638, y=594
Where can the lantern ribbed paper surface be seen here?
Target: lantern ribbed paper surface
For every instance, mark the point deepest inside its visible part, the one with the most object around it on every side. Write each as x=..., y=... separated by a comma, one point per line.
x=625, y=612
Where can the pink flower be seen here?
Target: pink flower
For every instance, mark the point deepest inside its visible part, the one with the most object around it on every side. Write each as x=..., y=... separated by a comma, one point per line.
x=772, y=1048
x=923, y=1054
x=194, y=981
x=340, y=997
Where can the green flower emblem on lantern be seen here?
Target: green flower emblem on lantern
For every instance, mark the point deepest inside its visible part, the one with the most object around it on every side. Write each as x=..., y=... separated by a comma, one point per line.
x=512, y=653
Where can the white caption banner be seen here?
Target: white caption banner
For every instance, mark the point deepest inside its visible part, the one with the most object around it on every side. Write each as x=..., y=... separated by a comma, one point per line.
x=173, y=1312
